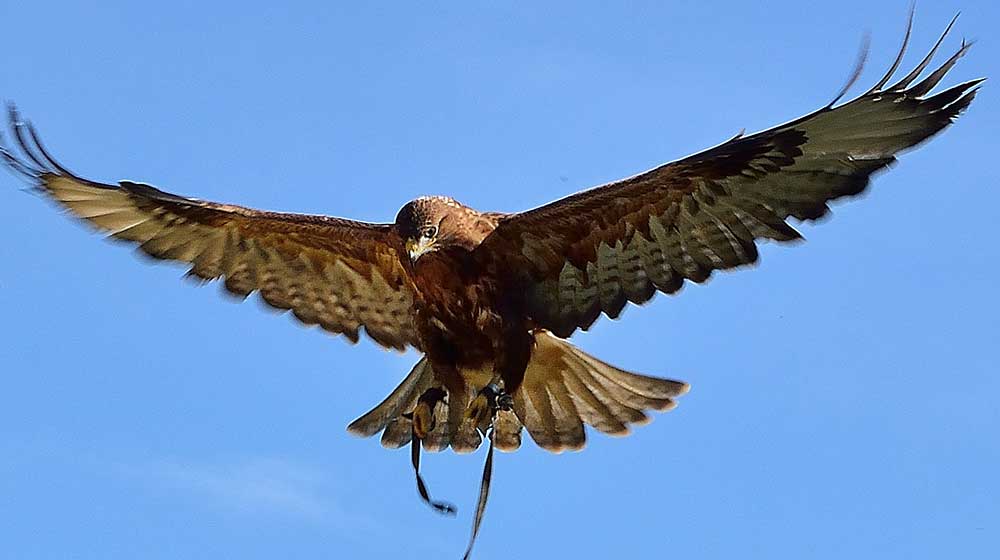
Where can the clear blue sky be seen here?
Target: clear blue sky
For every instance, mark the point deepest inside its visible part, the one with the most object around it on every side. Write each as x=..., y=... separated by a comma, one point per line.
x=844, y=400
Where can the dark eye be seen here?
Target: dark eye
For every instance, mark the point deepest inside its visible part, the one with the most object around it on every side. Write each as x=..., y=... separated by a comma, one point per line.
x=429, y=232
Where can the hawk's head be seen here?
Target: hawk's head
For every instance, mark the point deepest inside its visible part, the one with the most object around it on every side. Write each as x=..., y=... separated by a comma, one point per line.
x=431, y=223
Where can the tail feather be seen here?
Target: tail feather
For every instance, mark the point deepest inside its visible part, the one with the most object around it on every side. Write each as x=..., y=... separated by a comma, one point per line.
x=563, y=389
x=507, y=431
x=439, y=438
x=398, y=432
x=593, y=410
x=631, y=391
x=450, y=428
x=569, y=424
x=402, y=399
x=551, y=426
x=652, y=387
x=613, y=397
x=630, y=398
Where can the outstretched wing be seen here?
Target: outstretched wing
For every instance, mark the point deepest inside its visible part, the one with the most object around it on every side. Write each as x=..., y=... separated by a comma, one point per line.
x=622, y=242
x=340, y=274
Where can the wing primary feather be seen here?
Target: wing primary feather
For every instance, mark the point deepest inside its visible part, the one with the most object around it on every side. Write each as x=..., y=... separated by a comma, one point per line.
x=707, y=211
x=963, y=102
x=30, y=174
x=901, y=84
x=927, y=84
x=254, y=250
x=949, y=98
x=737, y=136
x=31, y=146
x=17, y=125
x=48, y=157
x=899, y=57
x=859, y=66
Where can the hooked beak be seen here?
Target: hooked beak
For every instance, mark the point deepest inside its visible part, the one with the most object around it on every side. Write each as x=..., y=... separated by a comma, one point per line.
x=417, y=247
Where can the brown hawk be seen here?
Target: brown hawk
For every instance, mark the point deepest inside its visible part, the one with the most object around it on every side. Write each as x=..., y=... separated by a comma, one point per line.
x=491, y=298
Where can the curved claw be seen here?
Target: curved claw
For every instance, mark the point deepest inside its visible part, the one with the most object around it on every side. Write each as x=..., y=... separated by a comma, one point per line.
x=484, y=407
x=479, y=410
x=422, y=415
x=423, y=420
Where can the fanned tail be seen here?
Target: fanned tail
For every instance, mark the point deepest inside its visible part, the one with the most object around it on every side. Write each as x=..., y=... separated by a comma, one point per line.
x=563, y=389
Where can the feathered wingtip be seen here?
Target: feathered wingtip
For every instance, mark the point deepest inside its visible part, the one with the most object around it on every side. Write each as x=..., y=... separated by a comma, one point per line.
x=906, y=83
x=28, y=158
x=29, y=171
x=859, y=66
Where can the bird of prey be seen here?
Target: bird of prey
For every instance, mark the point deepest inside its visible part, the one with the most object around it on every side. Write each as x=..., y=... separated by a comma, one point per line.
x=489, y=298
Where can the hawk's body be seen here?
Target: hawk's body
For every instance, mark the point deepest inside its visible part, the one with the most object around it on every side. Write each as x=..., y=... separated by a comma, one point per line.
x=491, y=297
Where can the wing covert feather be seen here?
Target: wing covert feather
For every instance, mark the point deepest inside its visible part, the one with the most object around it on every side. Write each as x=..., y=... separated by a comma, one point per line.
x=340, y=274
x=595, y=251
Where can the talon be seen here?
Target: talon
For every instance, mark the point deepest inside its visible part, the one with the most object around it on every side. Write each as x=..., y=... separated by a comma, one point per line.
x=423, y=415
x=489, y=400
x=423, y=420
x=479, y=410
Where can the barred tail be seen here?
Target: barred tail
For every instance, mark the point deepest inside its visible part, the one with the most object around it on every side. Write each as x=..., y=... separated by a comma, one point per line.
x=563, y=389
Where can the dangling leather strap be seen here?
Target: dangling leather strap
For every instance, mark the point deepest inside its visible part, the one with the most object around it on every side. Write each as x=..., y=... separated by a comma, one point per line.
x=441, y=507
x=484, y=493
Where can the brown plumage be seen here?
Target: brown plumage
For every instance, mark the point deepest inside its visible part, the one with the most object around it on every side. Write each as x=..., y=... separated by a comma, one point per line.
x=490, y=297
